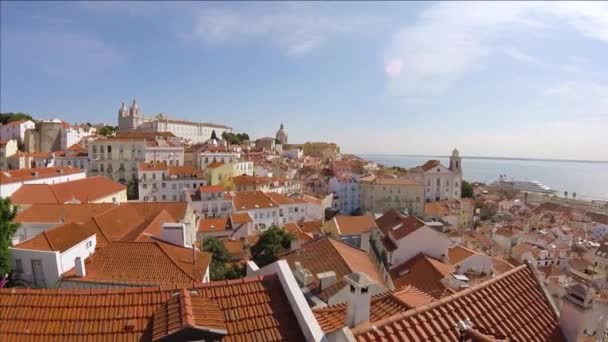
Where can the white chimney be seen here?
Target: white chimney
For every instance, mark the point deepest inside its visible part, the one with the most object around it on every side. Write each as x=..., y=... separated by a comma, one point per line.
x=80, y=270
x=358, y=298
x=580, y=315
x=302, y=275
x=326, y=279
x=174, y=233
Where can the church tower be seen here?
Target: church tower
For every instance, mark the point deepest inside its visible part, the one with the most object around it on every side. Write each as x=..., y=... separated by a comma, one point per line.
x=456, y=162
x=128, y=120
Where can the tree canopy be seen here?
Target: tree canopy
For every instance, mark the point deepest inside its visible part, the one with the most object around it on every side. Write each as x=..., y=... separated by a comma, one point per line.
x=213, y=135
x=235, y=139
x=9, y=117
x=270, y=244
x=7, y=230
x=220, y=269
x=107, y=130
x=466, y=190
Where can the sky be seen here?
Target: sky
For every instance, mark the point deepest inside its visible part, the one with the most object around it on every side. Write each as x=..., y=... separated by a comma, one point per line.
x=512, y=79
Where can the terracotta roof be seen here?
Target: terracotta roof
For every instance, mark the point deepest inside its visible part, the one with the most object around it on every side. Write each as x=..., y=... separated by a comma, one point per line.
x=386, y=304
x=252, y=200
x=250, y=180
x=311, y=227
x=355, y=225
x=396, y=225
x=297, y=232
x=239, y=249
x=216, y=188
x=512, y=305
x=430, y=164
x=82, y=190
x=61, y=212
x=213, y=225
x=424, y=273
x=188, y=312
x=60, y=238
x=252, y=309
x=143, y=263
x=23, y=175
x=326, y=254
x=185, y=172
x=15, y=122
x=153, y=166
x=239, y=218
x=457, y=254
x=280, y=199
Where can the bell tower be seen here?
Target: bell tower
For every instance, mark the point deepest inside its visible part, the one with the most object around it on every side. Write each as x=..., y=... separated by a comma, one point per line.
x=456, y=162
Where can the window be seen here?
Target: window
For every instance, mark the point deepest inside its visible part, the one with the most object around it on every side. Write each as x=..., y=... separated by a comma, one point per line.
x=164, y=198
x=89, y=244
x=175, y=197
x=173, y=186
x=145, y=198
x=18, y=266
x=153, y=175
x=164, y=185
x=153, y=185
x=109, y=148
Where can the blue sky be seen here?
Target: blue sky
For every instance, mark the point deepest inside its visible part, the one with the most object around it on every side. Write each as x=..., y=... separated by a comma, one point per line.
x=495, y=79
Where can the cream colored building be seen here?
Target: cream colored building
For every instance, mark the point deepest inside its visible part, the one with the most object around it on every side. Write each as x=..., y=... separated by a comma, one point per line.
x=381, y=194
x=7, y=149
x=119, y=158
x=133, y=120
x=440, y=182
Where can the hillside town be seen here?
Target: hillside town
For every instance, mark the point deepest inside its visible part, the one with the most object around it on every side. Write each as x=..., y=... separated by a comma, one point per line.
x=161, y=229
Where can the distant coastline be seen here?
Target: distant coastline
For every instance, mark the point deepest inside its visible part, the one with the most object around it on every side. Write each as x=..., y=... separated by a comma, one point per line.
x=489, y=158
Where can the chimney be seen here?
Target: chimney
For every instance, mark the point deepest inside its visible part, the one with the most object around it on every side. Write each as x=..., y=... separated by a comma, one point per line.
x=580, y=316
x=302, y=275
x=326, y=279
x=80, y=270
x=174, y=233
x=358, y=298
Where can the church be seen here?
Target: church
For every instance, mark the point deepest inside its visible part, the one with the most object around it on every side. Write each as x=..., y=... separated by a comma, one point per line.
x=440, y=182
x=132, y=119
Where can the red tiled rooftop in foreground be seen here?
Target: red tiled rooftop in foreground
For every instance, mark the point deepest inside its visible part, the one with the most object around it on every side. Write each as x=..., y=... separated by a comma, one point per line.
x=510, y=306
x=254, y=309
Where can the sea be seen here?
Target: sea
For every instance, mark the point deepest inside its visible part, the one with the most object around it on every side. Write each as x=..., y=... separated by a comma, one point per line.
x=588, y=179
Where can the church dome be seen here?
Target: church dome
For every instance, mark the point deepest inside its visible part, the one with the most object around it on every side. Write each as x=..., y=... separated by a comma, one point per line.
x=281, y=135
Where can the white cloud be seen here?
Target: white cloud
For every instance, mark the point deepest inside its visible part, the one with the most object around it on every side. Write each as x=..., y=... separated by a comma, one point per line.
x=295, y=29
x=451, y=39
x=394, y=67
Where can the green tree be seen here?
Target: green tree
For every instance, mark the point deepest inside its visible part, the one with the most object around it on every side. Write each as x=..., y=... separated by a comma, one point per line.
x=270, y=244
x=7, y=230
x=213, y=135
x=9, y=117
x=216, y=248
x=466, y=189
x=107, y=130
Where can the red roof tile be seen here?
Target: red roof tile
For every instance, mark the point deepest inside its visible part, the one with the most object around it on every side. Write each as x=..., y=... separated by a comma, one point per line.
x=82, y=190
x=254, y=309
x=14, y=176
x=396, y=225
x=512, y=305
x=424, y=273
x=213, y=225
x=61, y=212
x=430, y=164
x=355, y=225
x=253, y=200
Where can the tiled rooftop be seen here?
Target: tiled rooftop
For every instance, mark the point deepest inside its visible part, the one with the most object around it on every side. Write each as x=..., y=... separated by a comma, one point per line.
x=382, y=305
x=82, y=190
x=424, y=273
x=40, y=173
x=58, y=212
x=511, y=306
x=396, y=225
x=254, y=309
x=253, y=200
x=354, y=225
x=143, y=263
x=326, y=254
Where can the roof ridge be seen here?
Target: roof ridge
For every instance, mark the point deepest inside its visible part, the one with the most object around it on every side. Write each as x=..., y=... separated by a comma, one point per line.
x=48, y=240
x=342, y=259
x=158, y=244
x=94, y=219
x=421, y=309
x=186, y=306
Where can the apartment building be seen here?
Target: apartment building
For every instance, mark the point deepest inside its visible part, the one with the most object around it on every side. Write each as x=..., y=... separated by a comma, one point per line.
x=159, y=182
x=381, y=194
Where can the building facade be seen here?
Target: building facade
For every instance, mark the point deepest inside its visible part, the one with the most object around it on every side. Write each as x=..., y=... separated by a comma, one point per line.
x=346, y=191
x=159, y=182
x=7, y=149
x=440, y=182
x=381, y=194
x=133, y=120
x=16, y=130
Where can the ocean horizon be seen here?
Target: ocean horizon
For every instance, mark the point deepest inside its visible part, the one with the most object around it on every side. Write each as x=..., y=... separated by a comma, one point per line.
x=587, y=178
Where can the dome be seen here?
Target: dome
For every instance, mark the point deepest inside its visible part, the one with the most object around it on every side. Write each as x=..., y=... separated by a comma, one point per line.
x=281, y=135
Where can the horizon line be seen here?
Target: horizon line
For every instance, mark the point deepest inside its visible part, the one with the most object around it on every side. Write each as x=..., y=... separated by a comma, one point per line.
x=489, y=157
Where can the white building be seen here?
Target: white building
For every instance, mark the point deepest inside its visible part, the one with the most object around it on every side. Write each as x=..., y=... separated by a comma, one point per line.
x=263, y=210
x=7, y=148
x=11, y=181
x=159, y=182
x=132, y=120
x=16, y=130
x=71, y=135
x=242, y=168
x=440, y=182
x=346, y=190
x=211, y=201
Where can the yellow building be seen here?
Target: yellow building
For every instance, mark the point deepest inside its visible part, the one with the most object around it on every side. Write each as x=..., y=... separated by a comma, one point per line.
x=7, y=149
x=220, y=174
x=381, y=194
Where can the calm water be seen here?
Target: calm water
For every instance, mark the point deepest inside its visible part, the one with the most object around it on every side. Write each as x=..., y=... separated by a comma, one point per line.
x=587, y=179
